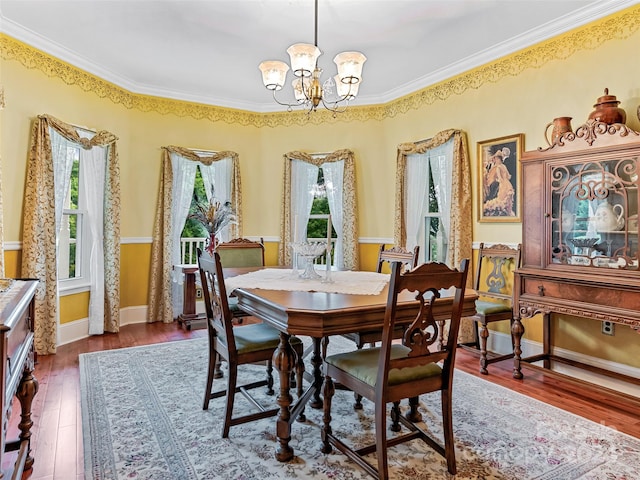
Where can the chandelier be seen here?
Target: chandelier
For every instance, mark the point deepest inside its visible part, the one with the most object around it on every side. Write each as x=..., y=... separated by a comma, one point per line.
x=307, y=89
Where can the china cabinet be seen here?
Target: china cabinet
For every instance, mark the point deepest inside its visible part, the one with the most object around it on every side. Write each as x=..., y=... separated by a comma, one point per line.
x=580, y=234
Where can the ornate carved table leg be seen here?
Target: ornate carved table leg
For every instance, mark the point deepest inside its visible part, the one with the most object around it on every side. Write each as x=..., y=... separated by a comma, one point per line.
x=284, y=358
x=517, y=330
x=316, y=361
x=26, y=392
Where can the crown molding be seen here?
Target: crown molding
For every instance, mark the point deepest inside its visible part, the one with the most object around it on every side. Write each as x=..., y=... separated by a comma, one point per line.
x=615, y=26
x=577, y=19
x=562, y=25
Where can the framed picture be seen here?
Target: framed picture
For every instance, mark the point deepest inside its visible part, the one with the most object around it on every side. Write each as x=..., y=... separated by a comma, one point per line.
x=500, y=179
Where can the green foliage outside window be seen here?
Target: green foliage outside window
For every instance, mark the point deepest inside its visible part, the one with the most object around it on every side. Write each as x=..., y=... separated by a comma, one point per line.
x=73, y=219
x=193, y=228
x=433, y=226
x=317, y=227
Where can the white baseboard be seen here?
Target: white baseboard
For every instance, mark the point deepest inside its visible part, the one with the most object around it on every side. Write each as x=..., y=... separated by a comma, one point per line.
x=72, y=331
x=79, y=329
x=501, y=343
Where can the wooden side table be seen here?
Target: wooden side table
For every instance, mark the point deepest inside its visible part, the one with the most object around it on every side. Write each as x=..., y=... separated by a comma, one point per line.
x=189, y=319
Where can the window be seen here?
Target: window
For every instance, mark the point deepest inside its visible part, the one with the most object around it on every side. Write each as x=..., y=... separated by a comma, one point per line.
x=70, y=236
x=300, y=181
x=192, y=227
x=434, y=244
x=213, y=179
x=427, y=201
x=317, y=225
x=193, y=234
x=74, y=233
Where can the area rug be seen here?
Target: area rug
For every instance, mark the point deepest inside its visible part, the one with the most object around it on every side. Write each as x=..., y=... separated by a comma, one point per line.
x=142, y=419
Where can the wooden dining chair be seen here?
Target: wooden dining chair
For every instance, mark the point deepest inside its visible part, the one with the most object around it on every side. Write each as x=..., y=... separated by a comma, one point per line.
x=394, y=371
x=494, y=284
x=409, y=260
x=240, y=253
x=237, y=345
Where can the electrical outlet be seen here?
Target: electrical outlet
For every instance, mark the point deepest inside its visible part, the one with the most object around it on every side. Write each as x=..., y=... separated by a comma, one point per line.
x=608, y=328
x=198, y=292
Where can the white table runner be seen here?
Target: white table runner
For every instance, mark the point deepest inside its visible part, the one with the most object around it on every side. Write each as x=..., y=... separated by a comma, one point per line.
x=353, y=283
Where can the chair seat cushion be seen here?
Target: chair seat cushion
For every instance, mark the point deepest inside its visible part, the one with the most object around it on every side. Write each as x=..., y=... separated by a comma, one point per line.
x=363, y=365
x=258, y=336
x=485, y=307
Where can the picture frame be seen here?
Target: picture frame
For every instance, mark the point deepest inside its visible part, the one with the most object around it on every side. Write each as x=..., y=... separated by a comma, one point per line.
x=500, y=179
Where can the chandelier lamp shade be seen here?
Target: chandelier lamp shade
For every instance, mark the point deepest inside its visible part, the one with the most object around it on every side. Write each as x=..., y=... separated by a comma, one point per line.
x=308, y=90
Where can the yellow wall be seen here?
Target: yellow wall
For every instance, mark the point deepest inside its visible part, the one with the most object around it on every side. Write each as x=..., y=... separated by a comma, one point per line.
x=518, y=94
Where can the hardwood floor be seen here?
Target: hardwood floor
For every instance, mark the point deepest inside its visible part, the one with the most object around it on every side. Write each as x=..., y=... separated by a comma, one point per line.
x=57, y=433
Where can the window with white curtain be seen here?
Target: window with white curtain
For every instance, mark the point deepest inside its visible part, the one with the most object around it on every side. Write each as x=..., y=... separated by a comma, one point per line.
x=212, y=179
x=428, y=201
x=319, y=188
x=79, y=177
x=301, y=173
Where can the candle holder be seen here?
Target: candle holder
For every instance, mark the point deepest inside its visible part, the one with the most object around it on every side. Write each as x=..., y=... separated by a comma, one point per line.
x=309, y=251
x=327, y=276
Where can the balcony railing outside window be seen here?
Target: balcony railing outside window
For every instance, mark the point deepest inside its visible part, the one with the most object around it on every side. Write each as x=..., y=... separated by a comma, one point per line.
x=188, y=249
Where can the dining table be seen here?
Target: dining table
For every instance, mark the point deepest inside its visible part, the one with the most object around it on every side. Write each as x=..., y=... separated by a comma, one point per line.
x=320, y=309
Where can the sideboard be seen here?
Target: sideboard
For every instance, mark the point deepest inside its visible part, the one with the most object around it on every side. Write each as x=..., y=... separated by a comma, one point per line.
x=16, y=369
x=580, y=235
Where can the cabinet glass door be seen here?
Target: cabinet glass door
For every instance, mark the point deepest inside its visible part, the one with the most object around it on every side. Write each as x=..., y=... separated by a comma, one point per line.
x=594, y=213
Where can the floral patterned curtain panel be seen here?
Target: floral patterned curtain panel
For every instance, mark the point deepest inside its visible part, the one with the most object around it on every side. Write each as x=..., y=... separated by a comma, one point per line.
x=349, y=206
x=39, y=233
x=160, y=296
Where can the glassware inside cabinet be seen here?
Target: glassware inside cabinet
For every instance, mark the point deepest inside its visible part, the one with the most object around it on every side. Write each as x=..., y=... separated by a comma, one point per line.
x=594, y=212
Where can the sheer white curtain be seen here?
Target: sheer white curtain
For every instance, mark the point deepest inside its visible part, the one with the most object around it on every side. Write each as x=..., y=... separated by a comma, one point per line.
x=301, y=201
x=92, y=177
x=93, y=162
x=438, y=160
x=441, y=162
x=184, y=175
x=303, y=177
x=218, y=175
x=416, y=197
x=334, y=181
x=62, y=165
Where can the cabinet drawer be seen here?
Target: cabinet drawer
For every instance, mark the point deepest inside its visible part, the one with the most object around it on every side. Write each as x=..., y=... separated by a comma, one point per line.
x=16, y=339
x=580, y=292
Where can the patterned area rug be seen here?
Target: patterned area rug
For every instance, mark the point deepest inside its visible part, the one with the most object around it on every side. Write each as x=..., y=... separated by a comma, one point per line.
x=142, y=419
